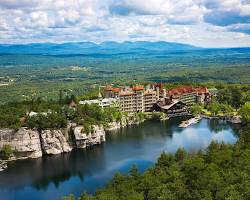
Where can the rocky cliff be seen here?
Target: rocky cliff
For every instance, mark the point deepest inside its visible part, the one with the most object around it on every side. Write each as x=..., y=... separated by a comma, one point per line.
x=25, y=142
x=54, y=142
x=114, y=125
x=125, y=121
x=3, y=165
x=83, y=139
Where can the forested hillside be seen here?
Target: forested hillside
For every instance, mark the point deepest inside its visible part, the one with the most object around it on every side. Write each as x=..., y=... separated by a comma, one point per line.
x=24, y=76
x=221, y=172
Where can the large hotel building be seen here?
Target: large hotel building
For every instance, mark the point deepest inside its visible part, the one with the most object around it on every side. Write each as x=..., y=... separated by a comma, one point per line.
x=140, y=98
x=136, y=98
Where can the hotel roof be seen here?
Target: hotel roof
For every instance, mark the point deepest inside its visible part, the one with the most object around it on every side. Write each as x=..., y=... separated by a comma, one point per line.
x=138, y=87
x=166, y=107
x=110, y=88
x=187, y=89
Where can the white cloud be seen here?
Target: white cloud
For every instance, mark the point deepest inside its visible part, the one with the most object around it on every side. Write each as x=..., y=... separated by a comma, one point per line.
x=199, y=22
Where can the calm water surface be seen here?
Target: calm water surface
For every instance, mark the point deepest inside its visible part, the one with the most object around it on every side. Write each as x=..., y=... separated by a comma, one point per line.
x=51, y=177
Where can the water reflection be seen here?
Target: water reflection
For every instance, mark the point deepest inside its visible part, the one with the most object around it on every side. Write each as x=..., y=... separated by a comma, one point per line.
x=40, y=172
x=198, y=136
x=88, y=169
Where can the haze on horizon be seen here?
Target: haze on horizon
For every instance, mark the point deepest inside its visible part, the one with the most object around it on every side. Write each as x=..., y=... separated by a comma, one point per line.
x=204, y=23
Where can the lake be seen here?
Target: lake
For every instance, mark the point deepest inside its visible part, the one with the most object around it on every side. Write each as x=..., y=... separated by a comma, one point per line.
x=52, y=177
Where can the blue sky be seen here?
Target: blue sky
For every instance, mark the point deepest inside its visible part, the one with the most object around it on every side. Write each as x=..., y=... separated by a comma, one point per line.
x=206, y=23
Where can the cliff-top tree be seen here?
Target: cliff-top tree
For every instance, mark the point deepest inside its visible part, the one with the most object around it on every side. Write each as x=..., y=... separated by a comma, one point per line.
x=245, y=112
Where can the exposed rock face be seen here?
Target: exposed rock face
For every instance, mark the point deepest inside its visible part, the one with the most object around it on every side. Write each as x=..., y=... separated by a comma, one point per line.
x=84, y=140
x=235, y=120
x=125, y=121
x=113, y=126
x=54, y=142
x=28, y=143
x=3, y=165
x=24, y=141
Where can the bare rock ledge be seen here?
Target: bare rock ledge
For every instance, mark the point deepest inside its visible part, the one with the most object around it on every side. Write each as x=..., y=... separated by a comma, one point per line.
x=54, y=142
x=83, y=140
x=25, y=142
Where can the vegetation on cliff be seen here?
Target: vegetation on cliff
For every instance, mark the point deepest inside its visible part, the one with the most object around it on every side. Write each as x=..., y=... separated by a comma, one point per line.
x=93, y=114
x=5, y=152
x=50, y=120
x=55, y=115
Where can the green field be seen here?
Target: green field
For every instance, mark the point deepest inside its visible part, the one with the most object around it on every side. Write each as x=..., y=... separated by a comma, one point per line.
x=23, y=77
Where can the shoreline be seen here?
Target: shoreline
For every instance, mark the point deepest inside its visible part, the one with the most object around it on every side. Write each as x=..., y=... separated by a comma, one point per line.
x=114, y=126
x=236, y=119
x=43, y=143
x=122, y=149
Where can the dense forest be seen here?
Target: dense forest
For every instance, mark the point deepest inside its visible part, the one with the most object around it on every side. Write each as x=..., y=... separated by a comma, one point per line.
x=53, y=115
x=221, y=172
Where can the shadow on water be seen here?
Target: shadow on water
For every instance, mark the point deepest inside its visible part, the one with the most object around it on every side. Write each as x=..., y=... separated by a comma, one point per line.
x=56, y=169
x=147, y=129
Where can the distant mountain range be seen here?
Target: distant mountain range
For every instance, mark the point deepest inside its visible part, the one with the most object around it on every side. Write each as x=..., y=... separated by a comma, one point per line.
x=93, y=48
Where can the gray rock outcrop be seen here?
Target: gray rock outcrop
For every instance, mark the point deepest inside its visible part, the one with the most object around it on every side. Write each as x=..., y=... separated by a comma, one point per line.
x=113, y=126
x=125, y=121
x=3, y=165
x=235, y=119
x=83, y=140
x=25, y=142
x=54, y=142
